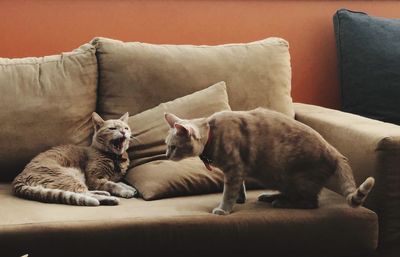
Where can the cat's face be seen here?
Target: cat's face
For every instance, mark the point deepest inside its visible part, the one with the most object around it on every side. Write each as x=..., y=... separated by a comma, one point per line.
x=183, y=139
x=111, y=135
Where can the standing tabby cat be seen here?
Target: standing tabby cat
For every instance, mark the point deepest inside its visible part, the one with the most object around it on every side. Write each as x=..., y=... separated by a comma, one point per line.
x=79, y=175
x=280, y=152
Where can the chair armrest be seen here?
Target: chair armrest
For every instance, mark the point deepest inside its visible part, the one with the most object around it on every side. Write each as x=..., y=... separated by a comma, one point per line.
x=373, y=149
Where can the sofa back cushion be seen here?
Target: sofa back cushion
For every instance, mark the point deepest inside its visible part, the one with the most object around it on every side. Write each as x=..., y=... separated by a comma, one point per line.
x=137, y=76
x=369, y=58
x=45, y=102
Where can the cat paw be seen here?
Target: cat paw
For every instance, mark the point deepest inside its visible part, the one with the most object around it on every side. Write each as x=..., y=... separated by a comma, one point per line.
x=269, y=197
x=106, y=200
x=109, y=200
x=219, y=211
x=126, y=193
x=128, y=187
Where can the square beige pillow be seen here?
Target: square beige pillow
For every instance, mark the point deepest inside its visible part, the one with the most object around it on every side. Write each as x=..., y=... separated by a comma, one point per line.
x=44, y=102
x=136, y=76
x=162, y=179
x=150, y=128
x=153, y=175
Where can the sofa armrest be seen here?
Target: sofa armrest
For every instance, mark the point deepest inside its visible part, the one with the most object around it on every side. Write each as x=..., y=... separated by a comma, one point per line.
x=373, y=149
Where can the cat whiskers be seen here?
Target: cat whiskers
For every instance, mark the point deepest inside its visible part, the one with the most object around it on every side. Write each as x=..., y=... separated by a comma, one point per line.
x=134, y=140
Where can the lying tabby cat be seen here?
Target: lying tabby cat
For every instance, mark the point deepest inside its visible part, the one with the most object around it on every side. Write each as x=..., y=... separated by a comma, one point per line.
x=283, y=153
x=79, y=175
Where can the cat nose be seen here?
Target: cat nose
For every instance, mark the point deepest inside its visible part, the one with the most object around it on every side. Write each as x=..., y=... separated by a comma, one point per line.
x=123, y=133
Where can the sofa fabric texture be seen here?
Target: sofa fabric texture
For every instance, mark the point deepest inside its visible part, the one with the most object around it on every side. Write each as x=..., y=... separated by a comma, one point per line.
x=373, y=149
x=184, y=226
x=45, y=102
x=368, y=48
x=137, y=76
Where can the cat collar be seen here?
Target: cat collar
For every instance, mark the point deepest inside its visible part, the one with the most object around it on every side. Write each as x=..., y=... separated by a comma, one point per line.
x=203, y=156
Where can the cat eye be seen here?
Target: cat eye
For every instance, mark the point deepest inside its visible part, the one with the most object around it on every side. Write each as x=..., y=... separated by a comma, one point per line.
x=126, y=128
x=112, y=128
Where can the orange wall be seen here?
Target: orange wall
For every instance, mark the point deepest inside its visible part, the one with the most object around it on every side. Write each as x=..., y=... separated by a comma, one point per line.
x=43, y=27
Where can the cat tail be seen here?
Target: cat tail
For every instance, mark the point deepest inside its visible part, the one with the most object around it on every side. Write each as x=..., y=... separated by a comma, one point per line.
x=48, y=195
x=343, y=181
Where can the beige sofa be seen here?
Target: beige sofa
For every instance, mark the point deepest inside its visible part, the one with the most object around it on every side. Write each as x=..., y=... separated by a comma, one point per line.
x=48, y=101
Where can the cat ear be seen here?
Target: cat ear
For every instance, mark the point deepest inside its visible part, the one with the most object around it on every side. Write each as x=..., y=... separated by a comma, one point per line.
x=97, y=121
x=182, y=129
x=125, y=117
x=187, y=129
x=171, y=119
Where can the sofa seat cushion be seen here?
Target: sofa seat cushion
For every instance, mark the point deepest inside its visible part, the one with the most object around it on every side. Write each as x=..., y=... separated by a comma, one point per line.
x=184, y=226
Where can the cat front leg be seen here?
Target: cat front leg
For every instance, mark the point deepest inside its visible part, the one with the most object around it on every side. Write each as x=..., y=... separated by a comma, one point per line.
x=232, y=185
x=98, y=192
x=105, y=199
x=242, y=194
x=120, y=189
x=129, y=187
x=116, y=189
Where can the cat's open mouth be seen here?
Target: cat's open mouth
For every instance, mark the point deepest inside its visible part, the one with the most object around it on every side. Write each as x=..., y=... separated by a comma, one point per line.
x=118, y=143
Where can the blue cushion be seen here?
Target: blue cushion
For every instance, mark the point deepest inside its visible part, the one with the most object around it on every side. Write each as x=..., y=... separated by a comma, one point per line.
x=369, y=62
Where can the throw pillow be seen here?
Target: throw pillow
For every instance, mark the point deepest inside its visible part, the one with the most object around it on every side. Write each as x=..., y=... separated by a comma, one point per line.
x=153, y=175
x=369, y=59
